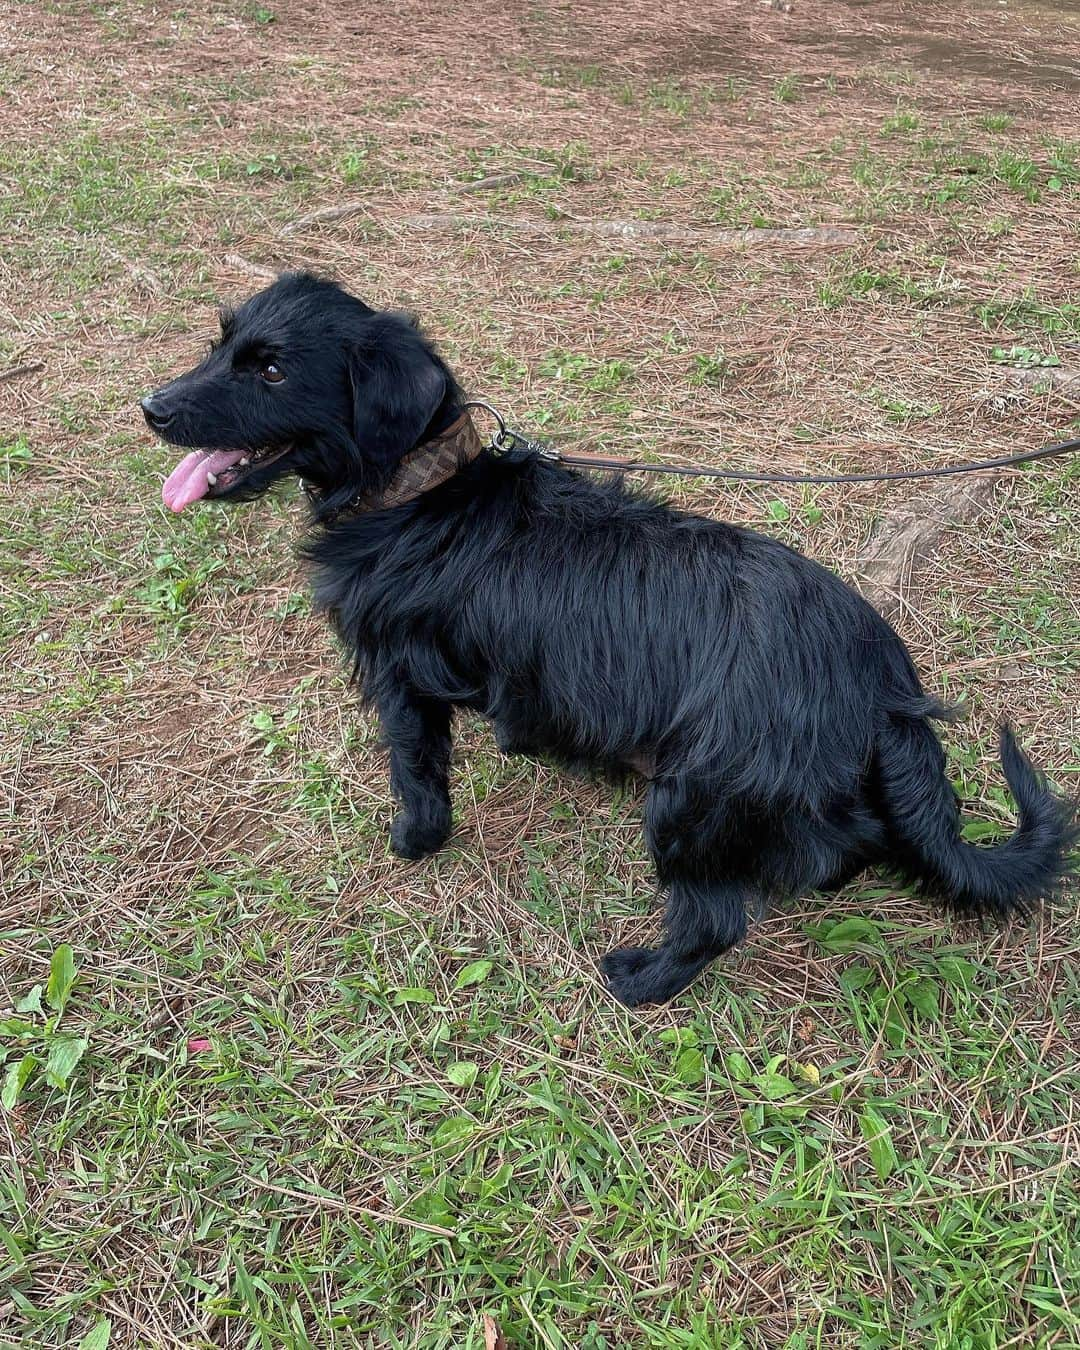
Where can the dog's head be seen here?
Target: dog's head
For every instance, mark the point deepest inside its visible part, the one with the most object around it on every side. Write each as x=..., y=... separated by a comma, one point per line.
x=304, y=379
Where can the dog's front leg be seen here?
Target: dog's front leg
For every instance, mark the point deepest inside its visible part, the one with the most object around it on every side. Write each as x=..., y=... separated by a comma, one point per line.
x=417, y=731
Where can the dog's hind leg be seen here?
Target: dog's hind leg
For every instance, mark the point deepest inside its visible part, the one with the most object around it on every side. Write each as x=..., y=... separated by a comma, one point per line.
x=417, y=731
x=702, y=920
x=511, y=741
x=705, y=914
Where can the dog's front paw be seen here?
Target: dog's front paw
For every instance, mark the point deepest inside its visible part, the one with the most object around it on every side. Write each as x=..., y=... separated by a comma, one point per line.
x=415, y=837
x=630, y=975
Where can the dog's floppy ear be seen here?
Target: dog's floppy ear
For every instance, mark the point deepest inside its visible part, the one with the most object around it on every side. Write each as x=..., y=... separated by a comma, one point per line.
x=397, y=387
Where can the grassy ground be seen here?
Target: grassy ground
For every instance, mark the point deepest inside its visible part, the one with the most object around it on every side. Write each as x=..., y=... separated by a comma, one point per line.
x=266, y=1086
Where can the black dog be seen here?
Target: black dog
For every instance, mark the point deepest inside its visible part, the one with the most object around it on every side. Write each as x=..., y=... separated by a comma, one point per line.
x=783, y=726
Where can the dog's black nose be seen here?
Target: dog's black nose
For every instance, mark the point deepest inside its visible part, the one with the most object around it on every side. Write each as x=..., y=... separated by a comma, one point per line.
x=156, y=414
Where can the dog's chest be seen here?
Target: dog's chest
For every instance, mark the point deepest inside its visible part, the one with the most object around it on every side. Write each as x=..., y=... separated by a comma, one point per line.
x=386, y=604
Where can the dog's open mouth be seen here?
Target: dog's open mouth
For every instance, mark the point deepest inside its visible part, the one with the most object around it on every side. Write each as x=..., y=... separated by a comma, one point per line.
x=209, y=473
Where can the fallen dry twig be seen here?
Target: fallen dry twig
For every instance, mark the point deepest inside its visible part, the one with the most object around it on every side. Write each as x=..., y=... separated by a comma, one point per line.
x=323, y=216
x=1045, y=377
x=249, y=268
x=17, y=372
x=820, y=235
x=912, y=532
x=825, y=235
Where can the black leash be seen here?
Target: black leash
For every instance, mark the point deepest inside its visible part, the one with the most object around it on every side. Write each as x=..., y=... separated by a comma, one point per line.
x=505, y=440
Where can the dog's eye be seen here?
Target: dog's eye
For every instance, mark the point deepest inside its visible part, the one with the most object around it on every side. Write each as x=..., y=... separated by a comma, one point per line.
x=272, y=373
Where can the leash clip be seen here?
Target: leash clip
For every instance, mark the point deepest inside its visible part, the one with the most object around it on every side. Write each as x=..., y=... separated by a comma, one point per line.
x=503, y=440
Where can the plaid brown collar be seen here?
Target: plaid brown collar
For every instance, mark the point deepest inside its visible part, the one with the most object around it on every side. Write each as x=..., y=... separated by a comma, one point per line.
x=422, y=469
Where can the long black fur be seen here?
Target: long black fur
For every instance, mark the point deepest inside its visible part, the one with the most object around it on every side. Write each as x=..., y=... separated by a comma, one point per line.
x=786, y=728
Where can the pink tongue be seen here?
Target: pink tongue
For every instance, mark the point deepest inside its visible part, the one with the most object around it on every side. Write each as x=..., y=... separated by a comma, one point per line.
x=187, y=482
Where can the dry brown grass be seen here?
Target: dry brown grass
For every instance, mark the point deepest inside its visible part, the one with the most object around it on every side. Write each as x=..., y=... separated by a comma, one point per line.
x=194, y=804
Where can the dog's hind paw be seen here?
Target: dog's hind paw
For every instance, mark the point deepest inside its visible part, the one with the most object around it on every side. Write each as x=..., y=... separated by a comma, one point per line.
x=630, y=973
x=414, y=838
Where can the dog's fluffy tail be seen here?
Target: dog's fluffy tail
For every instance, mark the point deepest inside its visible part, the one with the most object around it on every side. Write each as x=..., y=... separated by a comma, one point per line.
x=923, y=811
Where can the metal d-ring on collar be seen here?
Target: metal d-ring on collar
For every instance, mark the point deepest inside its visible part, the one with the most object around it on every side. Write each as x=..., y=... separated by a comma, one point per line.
x=503, y=439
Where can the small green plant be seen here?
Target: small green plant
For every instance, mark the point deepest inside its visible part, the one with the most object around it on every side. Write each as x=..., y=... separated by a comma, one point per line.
x=810, y=513
x=670, y=97
x=1064, y=164
x=997, y=121
x=671, y=341
x=608, y=375
x=268, y=165
x=584, y=77
x=578, y=368
x=1024, y=357
x=32, y=1038
x=1028, y=312
x=15, y=455
x=562, y=365
x=872, y=284
x=808, y=175
x=901, y=411
x=507, y=369
x=572, y=77
x=173, y=588
x=689, y=1066
x=1019, y=172
x=356, y=164
x=903, y=121
x=295, y=603
x=723, y=200
x=568, y=164
x=709, y=369
x=874, y=172
x=276, y=733
x=787, y=89
x=353, y=166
